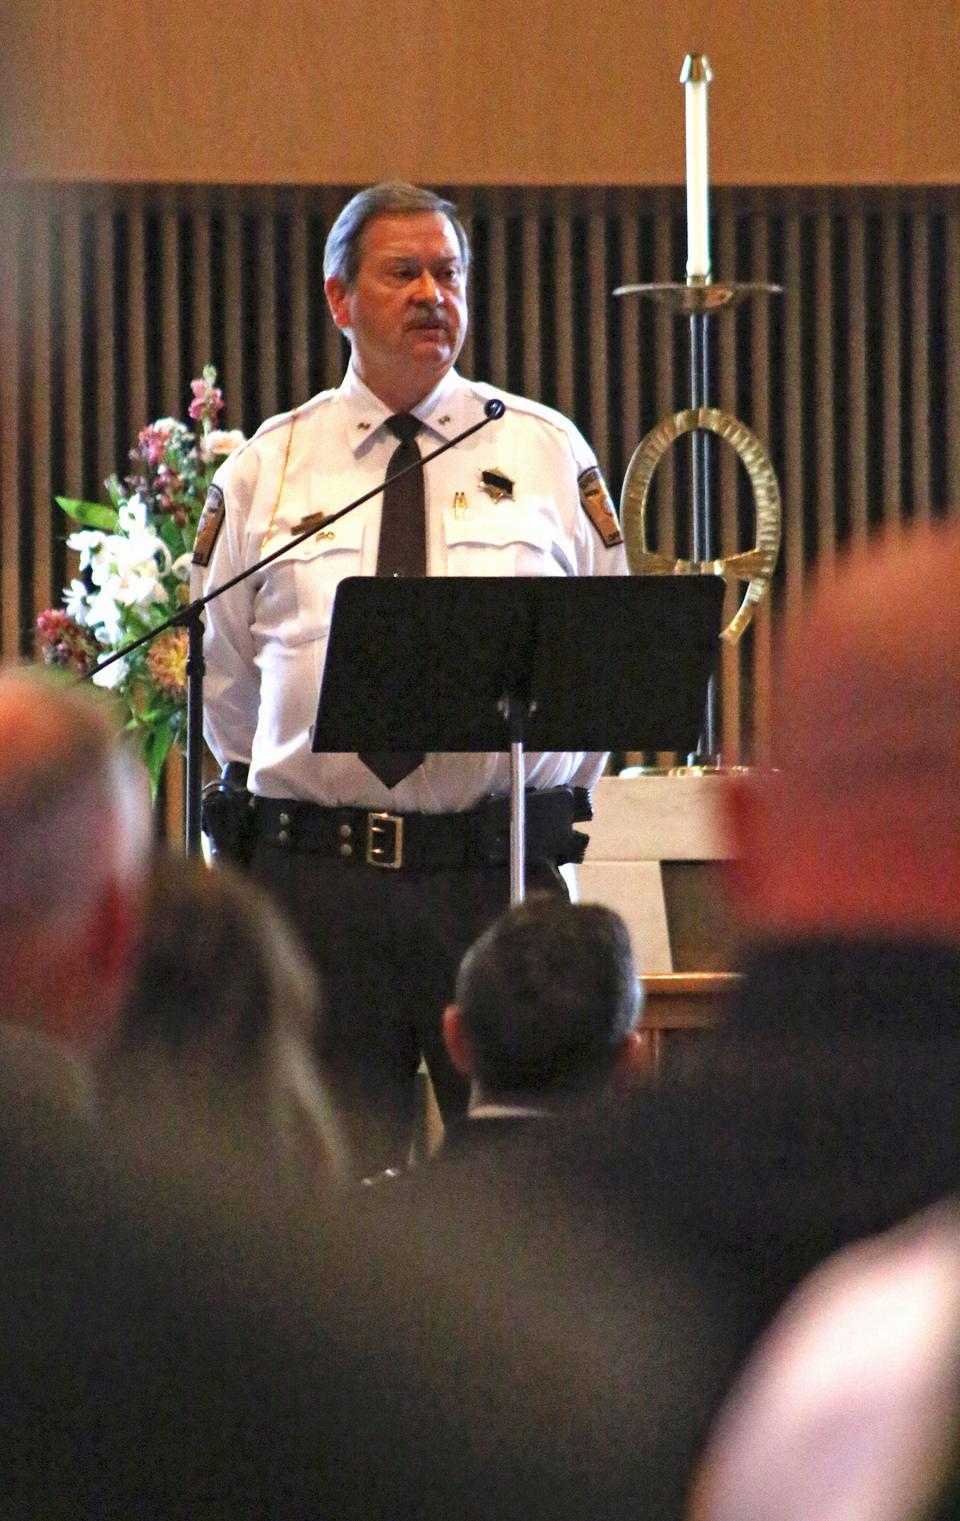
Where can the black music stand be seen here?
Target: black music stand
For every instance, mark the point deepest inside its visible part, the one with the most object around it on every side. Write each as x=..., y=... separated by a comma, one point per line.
x=479, y=663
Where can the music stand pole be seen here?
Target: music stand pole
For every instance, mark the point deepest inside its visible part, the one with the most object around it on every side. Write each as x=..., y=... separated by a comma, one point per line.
x=514, y=708
x=195, y=670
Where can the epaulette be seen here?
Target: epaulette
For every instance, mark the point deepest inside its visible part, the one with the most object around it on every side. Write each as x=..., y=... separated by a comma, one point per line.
x=527, y=407
x=284, y=419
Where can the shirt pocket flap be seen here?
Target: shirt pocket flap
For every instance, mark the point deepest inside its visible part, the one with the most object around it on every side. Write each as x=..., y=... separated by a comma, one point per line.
x=497, y=529
x=341, y=538
x=295, y=601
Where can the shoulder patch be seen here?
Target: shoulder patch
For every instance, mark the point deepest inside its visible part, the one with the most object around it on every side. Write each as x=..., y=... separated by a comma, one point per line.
x=597, y=503
x=209, y=526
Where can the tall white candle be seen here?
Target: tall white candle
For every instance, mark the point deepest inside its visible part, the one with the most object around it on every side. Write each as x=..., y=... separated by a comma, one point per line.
x=695, y=77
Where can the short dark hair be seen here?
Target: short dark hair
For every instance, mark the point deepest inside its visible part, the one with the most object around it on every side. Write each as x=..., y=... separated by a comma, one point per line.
x=341, y=256
x=547, y=995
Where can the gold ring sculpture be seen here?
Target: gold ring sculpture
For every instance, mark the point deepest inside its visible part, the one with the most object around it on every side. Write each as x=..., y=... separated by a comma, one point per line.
x=756, y=565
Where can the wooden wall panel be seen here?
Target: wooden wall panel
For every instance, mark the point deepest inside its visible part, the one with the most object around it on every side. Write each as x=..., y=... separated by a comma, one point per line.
x=308, y=92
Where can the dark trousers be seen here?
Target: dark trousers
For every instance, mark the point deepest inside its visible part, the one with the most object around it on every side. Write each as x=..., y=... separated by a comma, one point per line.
x=387, y=945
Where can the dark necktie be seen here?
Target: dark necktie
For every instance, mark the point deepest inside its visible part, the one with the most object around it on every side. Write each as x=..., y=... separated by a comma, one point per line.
x=402, y=552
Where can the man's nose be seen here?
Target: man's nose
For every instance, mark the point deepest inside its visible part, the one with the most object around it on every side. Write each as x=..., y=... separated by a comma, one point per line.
x=428, y=289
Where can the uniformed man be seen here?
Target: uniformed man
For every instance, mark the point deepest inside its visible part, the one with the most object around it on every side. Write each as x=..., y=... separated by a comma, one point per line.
x=388, y=921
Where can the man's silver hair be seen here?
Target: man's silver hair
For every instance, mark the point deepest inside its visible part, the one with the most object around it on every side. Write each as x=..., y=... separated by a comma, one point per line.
x=341, y=256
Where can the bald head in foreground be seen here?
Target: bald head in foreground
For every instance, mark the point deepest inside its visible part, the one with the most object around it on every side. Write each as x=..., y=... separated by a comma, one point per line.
x=857, y=830
x=74, y=842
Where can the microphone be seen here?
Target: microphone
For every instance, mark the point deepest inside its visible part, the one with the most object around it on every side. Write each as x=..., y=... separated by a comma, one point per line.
x=494, y=408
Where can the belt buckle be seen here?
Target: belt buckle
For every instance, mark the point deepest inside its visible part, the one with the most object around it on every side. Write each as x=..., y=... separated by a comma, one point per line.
x=385, y=840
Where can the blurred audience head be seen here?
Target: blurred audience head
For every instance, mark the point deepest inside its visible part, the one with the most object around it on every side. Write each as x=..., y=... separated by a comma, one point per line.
x=849, y=1409
x=220, y=1021
x=855, y=831
x=547, y=1002
x=74, y=845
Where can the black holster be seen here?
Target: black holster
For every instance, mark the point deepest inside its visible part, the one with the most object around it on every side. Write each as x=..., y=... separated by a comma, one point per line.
x=226, y=816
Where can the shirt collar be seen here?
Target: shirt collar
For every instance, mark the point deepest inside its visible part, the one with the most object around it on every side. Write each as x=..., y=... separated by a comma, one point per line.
x=440, y=412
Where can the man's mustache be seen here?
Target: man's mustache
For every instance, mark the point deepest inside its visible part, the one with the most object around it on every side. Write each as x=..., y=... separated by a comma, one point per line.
x=430, y=316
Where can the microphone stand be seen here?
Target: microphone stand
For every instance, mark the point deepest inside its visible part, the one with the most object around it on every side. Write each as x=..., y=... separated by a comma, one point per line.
x=191, y=618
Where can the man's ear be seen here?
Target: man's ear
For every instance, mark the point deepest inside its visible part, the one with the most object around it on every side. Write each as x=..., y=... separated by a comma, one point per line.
x=338, y=300
x=457, y=1041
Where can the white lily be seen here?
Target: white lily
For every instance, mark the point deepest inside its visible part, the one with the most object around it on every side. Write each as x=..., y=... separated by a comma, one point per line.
x=101, y=556
x=105, y=617
x=76, y=601
x=141, y=553
x=132, y=516
x=87, y=542
x=112, y=676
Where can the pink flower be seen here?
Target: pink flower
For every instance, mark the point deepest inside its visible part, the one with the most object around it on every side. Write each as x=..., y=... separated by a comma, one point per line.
x=152, y=442
x=207, y=398
x=63, y=642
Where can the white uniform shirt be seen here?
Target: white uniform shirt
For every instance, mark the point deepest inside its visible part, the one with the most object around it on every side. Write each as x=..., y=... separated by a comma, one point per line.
x=266, y=639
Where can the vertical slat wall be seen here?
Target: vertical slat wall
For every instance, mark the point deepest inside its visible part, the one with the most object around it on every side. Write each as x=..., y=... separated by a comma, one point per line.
x=13, y=507
x=950, y=343
x=114, y=297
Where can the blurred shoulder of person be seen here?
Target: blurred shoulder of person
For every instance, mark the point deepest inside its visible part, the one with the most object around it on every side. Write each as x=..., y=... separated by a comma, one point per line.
x=850, y=1406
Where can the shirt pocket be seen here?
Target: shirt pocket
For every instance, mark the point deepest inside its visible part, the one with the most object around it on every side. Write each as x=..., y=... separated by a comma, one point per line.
x=295, y=600
x=506, y=541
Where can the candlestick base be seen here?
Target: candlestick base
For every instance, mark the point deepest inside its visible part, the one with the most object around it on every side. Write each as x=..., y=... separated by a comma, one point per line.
x=705, y=298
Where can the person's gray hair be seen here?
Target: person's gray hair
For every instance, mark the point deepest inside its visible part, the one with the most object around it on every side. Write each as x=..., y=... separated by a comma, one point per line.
x=341, y=256
x=74, y=804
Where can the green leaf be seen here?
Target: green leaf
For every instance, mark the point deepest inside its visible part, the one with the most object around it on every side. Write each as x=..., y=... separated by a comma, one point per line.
x=156, y=748
x=172, y=535
x=90, y=514
x=114, y=490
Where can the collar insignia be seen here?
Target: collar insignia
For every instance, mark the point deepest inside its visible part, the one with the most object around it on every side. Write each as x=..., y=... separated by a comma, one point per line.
x=496, y=485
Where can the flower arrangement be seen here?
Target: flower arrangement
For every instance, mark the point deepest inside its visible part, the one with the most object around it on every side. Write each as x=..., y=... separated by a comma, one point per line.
x=135, y=554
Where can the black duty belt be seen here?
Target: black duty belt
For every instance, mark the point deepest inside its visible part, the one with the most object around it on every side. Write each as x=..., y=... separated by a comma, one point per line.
x=480, y=837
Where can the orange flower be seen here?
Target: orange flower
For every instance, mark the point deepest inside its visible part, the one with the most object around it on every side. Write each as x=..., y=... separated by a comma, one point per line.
x=167, y=663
